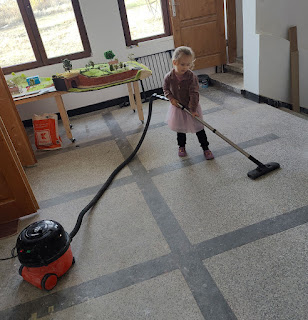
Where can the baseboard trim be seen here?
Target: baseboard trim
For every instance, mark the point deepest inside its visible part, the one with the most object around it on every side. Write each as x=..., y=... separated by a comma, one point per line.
x=272, y=102
x=251, y=96
x=124, y=102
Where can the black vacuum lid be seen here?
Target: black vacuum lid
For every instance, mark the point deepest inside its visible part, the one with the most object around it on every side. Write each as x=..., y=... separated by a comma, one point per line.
x=39, y=229
x=41, y=243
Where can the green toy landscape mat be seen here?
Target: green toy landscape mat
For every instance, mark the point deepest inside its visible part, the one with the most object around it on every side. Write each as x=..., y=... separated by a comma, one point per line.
x=102, y=70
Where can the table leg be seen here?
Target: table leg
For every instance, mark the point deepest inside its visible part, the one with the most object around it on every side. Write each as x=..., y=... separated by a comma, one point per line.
x=138, y=101
x=64, y=117
x=131, y=96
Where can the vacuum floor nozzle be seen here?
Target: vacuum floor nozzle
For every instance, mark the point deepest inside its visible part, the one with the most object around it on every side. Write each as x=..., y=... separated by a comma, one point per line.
x=262, y=170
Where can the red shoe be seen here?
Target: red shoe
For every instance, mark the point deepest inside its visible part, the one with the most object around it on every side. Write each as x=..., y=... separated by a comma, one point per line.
x=208, y=155
x=182, y=152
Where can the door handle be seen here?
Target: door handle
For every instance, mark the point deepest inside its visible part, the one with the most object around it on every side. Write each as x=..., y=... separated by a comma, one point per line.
x=173, y=4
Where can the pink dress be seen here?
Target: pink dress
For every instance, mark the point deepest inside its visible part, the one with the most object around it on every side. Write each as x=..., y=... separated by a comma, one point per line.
x=180, y=121
x=177, y=119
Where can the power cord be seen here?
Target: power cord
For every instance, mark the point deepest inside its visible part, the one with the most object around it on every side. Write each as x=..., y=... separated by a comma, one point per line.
x=13, y=255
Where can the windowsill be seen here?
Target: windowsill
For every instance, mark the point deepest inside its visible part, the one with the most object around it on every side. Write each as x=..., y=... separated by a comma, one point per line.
x=152, y=46
x=153, y=42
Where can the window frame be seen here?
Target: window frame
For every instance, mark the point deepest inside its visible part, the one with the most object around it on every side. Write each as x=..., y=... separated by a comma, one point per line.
x=127, y=34
x=37, y=43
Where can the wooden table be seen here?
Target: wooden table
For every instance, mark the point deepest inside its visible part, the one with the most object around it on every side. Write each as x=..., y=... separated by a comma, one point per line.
x=133, y=94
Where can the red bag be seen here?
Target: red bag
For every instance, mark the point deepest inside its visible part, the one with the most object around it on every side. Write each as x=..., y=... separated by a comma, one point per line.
x=46, y=131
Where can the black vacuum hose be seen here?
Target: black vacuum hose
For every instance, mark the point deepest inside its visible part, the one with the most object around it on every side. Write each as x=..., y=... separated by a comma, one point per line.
x=113, y=174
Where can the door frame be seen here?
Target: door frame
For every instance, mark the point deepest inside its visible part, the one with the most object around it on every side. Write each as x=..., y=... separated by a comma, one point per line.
x=231, y=30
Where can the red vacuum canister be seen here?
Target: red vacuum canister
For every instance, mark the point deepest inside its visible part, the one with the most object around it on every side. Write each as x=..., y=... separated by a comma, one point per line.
x=44, y=251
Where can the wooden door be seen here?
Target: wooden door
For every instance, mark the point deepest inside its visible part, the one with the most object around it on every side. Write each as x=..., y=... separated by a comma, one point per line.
x=199, y=24
x=16, y=196
x=14, y=126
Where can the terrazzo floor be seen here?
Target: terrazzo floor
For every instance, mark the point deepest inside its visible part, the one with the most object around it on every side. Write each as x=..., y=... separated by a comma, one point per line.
x=173, y=238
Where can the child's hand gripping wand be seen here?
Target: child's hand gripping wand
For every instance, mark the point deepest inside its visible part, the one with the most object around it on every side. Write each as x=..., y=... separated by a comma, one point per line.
x=261, y=170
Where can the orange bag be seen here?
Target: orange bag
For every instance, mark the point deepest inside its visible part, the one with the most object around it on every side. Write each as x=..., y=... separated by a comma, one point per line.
x=46, y=131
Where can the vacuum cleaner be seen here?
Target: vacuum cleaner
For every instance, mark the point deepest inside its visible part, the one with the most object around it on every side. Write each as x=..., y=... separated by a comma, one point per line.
x=43, y=248
x=45, y=253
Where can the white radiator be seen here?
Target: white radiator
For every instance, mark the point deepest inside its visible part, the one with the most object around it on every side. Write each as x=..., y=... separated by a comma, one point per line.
x=160, y=64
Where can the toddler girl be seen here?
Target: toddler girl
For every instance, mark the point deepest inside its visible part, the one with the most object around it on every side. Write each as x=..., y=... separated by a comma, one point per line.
x=181, y=86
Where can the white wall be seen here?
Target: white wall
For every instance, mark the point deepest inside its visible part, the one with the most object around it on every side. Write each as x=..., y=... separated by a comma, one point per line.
x=251, y=45
x=276, y=16
x=273, y=19
x=274, y=68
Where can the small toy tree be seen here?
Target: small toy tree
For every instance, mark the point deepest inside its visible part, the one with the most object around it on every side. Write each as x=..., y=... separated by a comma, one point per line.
x=67, y=65
x=109, y=55
x=91, y=64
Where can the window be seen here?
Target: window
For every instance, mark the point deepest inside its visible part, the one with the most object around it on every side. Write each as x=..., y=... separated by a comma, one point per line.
x=144, y=19
x=36, y=33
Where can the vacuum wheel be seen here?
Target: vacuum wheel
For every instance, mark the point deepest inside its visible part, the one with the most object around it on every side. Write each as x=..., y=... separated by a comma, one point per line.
x=49, y=281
